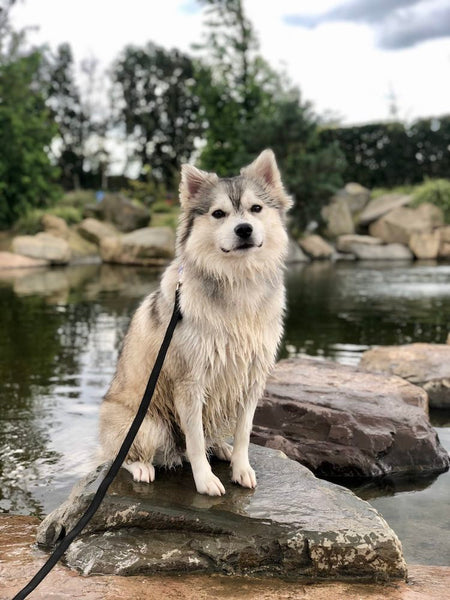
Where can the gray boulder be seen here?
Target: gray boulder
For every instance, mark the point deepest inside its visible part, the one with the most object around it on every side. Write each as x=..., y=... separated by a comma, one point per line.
x=425, y=245
x=381, y=252
x=378, y=207
x=150, y=246
x=401, y=223
x=9, y=260
x=444, y=246
x=43, y=246
x=338, y=218
x=122, y=212
x=295, y=253
x=344, y=243
x=292, y=525
x=355, y=195
x=316, y=247
x=346, y=423
x=426, y=365
x=94, y=230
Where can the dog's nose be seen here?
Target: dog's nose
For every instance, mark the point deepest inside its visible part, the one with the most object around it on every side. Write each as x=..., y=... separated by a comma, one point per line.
x=243, y=230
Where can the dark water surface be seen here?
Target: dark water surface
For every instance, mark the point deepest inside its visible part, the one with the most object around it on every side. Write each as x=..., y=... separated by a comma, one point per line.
x=61, y=329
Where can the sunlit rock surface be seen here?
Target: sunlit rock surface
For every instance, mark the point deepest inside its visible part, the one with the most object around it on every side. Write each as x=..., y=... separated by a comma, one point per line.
x=292, y=525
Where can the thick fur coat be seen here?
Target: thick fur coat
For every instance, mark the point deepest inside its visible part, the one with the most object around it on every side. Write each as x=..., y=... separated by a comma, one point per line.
x=231, y=245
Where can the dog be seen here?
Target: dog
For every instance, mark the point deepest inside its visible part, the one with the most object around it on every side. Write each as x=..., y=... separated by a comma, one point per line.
x=230, y=251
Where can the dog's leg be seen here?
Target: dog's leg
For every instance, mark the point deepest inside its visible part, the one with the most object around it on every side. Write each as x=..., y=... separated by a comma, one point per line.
x=242, y=472
x=223, y=451
x=189, y=406
x=141, y=471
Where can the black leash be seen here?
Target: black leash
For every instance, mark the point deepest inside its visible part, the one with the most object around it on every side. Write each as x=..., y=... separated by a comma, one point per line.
x=114, y=468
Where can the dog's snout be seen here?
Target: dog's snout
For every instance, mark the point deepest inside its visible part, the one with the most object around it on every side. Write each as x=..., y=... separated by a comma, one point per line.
x=243, y=230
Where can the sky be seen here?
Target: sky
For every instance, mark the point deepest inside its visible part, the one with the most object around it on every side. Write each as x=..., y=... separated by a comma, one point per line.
x=350, y=58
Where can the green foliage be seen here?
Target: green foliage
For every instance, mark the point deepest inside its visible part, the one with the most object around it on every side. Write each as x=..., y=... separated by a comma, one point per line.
x=26, y=130
x=148, y=190
x=159, y=109
x=249, y=107
x=77, y=199
x=31, y=222
x=392, y=154
x=435, y=192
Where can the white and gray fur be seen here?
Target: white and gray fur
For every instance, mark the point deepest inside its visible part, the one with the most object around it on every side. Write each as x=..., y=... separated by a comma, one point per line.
x=232, y=300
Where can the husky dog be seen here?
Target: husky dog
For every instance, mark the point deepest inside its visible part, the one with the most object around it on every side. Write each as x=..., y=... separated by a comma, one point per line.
x=231, y=245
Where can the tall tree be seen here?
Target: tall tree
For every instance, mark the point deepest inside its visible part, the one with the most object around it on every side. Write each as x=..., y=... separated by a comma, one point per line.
x=157, y=106
x=26, y=129
x=249, y=107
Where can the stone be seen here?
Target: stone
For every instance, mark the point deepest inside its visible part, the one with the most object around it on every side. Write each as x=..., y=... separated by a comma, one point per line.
x=378, y=207
x=295, y=253
x=444, y=246
x=399, y=224
x=9, y=260
x=150, y=246
x=425, y=245
x=55, y=225
x=381, y=252
x=425, y=365
x=82, y=249
x=338, y=218
x=347, y=424
x=43, y=246
x=316, y=247
x=122, y=212
x=344, y=242
x=94, y=230
x=293, y=525
x=21, y=558
x=355, y=195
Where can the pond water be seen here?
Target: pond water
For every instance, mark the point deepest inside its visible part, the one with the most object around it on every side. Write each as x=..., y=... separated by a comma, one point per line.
x=61, y=330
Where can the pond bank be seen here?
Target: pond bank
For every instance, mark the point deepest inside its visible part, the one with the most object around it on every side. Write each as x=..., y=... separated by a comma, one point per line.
x=21, y=560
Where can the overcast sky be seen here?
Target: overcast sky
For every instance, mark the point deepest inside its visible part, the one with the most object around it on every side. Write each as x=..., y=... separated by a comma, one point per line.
x=347, y=56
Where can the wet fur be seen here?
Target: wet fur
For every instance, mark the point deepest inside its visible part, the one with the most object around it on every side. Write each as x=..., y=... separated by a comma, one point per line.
x=232, y=303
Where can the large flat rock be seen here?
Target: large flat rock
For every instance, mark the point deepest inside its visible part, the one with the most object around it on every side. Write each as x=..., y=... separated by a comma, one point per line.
x=426, y=365
x=346, y=423
x=20, y=559
x=293, y=525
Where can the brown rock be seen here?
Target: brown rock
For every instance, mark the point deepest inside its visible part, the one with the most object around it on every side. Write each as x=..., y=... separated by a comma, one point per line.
x=343, y=422
x=378, y=207
x=150, y=246
x=338, y=218
x=381, y=252
x=344, y=242
x=55, y=225
x=94, y=230
x=43, y=246
x=399, y=224
x=444, y=247
x=316, y=247
x=355, y=195
x=21, y=560
x=122, y=212
x=9, y=260
x=426, y=365
x=425, y=245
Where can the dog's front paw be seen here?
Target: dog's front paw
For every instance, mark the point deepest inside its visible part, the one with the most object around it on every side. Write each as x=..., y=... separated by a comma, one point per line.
x=244, y=475
x=208, y=483
x=141, y=471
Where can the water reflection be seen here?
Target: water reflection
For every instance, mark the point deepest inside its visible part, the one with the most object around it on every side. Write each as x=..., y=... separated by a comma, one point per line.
x=61, y=330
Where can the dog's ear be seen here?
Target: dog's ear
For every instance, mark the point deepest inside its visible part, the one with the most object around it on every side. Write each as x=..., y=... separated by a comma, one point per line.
x=192, y=179
x=265, y=170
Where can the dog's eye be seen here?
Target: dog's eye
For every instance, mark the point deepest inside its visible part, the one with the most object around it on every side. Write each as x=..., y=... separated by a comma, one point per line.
x=256, y=208
x=218, y=214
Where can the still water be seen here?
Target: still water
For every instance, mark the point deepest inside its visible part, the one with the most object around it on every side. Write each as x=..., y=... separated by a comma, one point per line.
x=61, y=330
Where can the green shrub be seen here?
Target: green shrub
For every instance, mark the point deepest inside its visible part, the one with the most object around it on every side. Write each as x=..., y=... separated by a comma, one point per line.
x=31, y=222
x=434, y=191
x=398, y=189
x=78, y=199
